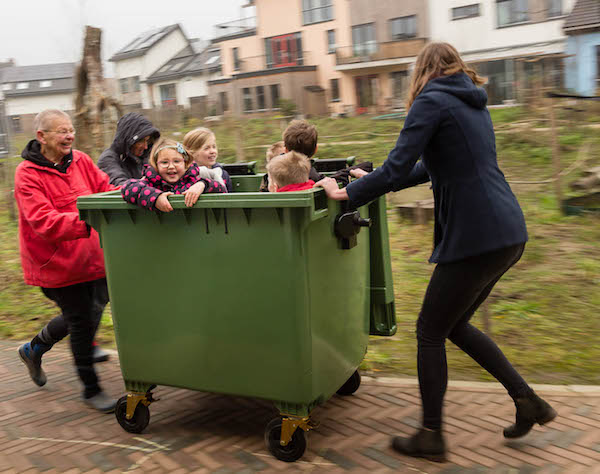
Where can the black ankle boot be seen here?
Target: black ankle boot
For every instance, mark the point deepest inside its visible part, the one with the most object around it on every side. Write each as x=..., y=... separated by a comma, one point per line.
x=530, y=410
x=424, y=444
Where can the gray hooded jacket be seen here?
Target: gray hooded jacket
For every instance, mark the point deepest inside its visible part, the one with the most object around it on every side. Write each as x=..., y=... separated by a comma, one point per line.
x=117, y=161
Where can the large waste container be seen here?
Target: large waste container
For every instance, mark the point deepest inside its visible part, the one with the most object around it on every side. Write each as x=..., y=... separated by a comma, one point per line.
x=252, y=294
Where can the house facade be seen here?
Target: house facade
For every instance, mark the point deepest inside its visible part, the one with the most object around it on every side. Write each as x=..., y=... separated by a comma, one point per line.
x=286, y=51
x=28, y=90
x=519, y=45
x=582, y=65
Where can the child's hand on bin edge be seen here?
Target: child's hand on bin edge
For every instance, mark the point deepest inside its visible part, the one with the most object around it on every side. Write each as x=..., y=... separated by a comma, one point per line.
x=163, y=204
x=192, y=194
x=358, y=173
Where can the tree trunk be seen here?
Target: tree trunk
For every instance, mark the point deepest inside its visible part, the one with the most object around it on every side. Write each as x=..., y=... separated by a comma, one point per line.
x=92, y=100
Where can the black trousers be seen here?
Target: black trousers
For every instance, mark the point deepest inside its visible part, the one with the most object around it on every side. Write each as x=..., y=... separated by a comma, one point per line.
x=82, y=306
x=454, y=293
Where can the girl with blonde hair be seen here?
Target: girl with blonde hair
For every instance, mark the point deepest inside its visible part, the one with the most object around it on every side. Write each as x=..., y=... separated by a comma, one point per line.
x=202, y=144
x=479, y=233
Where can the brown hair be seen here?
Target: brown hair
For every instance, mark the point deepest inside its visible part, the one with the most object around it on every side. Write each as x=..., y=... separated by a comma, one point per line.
x=301, y=136
x=163, y=143
x=274, y=150
x=291, y=168
x=195, y=139
x=436, y=60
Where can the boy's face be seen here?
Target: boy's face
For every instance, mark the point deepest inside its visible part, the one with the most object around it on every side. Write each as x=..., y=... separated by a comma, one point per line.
x=273, y=187
x=171, y=165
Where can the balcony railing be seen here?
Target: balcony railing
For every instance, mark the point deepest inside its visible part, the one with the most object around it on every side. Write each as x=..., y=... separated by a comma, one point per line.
x=264, y=62
x=235, y=27
x=379, y=51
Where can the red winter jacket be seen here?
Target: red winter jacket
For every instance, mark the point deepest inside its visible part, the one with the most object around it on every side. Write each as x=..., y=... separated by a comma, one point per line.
x=57, y=249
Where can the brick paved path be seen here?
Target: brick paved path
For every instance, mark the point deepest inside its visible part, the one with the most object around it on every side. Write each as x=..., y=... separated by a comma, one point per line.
x=49, y=429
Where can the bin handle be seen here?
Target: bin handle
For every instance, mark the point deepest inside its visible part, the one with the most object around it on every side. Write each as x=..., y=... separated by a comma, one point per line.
x=320, y=205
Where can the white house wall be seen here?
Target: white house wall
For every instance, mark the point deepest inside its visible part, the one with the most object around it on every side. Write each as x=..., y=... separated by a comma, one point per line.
x=478, y=34
x=163, y=51
x=35, y=104
x=194, y=86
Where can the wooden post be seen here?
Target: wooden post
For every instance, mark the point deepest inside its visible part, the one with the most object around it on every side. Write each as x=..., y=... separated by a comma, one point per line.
x=555, y=156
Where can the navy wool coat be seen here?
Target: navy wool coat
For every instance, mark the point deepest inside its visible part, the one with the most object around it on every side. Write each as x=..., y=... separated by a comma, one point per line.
x=449, y=127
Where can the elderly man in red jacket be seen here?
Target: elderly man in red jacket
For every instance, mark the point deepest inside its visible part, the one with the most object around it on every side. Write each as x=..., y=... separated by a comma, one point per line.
x=59, y=252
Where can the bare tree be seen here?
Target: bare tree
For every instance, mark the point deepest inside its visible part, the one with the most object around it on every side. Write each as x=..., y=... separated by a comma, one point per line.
x=92, y=99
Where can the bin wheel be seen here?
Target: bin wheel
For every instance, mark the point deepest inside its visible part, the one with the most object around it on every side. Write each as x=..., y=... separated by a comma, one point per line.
x=294, y=449
x=140, y=419
x=351, y=384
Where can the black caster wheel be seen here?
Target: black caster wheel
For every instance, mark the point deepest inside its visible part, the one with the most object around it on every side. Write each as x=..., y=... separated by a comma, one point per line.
x=294, y=449
x=139, y=420
x=351, y=384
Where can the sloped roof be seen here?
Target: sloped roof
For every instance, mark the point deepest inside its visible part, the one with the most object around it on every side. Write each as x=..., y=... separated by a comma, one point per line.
x=187, y=63
x=41, y=79
x=584, y=16
x=143, y=42
x=39, y=72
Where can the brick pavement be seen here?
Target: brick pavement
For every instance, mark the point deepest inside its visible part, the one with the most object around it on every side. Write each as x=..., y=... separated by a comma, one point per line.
x=48, y=429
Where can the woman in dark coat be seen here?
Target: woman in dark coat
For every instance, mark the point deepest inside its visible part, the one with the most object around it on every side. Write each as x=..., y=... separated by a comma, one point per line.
x=479, y=233
x=130, y=149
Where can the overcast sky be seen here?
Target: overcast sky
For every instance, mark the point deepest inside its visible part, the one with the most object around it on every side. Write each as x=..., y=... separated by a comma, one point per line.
x=50, y=31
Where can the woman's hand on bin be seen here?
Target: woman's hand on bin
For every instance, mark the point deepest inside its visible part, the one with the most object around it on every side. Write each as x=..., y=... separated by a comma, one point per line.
x=163, y=204
x=192, y=194
x=332, y=189
x=358, y=173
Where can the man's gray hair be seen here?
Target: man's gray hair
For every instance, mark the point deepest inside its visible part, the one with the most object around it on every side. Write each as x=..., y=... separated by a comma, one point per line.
x=44, y=118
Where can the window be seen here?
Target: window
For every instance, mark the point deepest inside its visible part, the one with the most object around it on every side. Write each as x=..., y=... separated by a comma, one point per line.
x=16, y=124
x=553, y=8
x=236, y=59
x=275, y=96
x=124, y=83
x=399, y=83
x=223, y=102
x=168, y=94
x=45, y=84
x=512, y=11
x=247, y=99
x=6, y=87
x=468, y=11
x=403, y=28
x=284, y=51
x=260, y=97
x=363, y=39
x=330, y=41
x=315, y=11
x=23, y=85
x=135, y=84
x=335, y=90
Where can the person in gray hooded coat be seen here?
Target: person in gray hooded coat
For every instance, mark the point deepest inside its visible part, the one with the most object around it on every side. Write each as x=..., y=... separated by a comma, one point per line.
x=130, y=150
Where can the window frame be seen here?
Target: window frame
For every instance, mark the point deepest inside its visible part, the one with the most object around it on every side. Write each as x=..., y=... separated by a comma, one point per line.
x=323, y=7
x=136, y=86
x=288, y=46
x=247, y=99
x=367, y=47
x=235, y=53
x=513, y=4
x=465, y=16
x=334, y=85
x=261, y=97
x=401, y=20
x=168, y=100
x=331, y=46
x=22, y=86
x=124, y=85
x=551, y=13
x=275, y=100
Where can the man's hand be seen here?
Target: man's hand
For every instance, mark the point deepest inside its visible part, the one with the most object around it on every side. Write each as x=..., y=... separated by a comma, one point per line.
x=358, y=173
x=192, y=194
x=163, y=204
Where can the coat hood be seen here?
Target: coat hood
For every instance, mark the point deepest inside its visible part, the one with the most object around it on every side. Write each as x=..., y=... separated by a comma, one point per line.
x=33, y=152
x=461, y=86
x=131, y=128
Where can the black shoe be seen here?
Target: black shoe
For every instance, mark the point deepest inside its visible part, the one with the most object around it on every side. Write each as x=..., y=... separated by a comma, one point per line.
x=32, y=358
x=424, y=444
x=530, y=410
x=100, y=355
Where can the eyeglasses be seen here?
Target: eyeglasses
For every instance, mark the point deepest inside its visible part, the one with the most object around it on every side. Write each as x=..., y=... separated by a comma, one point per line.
x=167, y=163
x=62, y=132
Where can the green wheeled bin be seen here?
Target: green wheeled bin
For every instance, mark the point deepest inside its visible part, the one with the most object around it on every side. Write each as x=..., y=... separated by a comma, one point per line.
x=266, y=295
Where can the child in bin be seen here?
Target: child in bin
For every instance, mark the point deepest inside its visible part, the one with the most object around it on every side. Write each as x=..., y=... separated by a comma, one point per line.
x=202, y=144
x=289, y=172
x=171, y=171
x=274, y=150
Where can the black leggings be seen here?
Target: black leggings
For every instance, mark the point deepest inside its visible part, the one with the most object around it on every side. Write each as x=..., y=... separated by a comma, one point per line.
x=82, y=306
x=454, y=293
